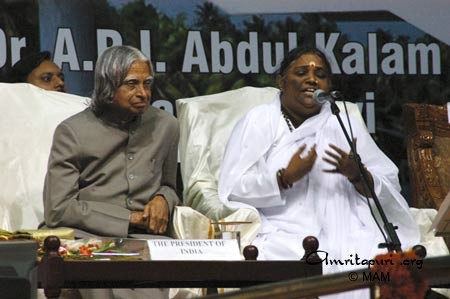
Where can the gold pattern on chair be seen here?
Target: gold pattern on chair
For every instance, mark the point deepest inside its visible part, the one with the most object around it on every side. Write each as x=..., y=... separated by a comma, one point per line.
x=428, y=148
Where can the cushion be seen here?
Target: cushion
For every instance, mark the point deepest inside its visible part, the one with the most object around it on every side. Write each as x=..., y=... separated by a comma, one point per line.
x=206, y=123
x=29, y=118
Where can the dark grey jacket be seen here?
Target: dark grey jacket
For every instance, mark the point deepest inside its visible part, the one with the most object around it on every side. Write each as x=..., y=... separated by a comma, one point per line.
x=99, y=169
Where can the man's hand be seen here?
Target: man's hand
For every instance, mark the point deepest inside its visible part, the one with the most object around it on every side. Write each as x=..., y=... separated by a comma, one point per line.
x=136, y=219
x=156, y=215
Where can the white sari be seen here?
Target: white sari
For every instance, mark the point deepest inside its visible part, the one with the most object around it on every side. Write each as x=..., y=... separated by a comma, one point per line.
x=325, y=205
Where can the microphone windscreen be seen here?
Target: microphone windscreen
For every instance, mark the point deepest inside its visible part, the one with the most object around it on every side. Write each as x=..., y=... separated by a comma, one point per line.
x=320, y=96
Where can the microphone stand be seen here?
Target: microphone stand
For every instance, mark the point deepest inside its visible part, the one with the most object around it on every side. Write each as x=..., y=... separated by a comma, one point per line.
x=392, y=242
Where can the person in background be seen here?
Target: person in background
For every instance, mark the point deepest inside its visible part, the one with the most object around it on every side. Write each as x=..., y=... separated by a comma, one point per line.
x=38, y=69
x=291, y=161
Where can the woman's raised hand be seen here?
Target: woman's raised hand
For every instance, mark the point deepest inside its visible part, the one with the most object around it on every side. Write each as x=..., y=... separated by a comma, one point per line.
x=298, y=167
x=343, y=163
x=346, y=164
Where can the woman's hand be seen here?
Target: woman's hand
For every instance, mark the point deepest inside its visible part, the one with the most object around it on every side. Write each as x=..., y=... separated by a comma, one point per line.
x=344, y=163
x=298, y=167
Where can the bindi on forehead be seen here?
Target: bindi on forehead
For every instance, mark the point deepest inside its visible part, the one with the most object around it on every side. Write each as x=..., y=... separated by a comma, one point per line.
x=310, y=65
x=310, y=59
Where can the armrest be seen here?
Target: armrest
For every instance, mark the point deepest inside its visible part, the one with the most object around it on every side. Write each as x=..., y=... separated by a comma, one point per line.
x=202, y=196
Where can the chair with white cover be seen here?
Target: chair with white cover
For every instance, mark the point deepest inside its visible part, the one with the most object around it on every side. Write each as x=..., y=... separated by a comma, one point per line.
x=29, y=117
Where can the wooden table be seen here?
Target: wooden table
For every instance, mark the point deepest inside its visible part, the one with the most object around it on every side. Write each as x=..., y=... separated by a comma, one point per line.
x=55, y=273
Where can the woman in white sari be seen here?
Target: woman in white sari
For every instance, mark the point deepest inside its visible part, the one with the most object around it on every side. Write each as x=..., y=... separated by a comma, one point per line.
x=290, y=160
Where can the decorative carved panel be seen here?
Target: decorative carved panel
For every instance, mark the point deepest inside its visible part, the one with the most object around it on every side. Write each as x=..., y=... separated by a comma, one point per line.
x=428, y=149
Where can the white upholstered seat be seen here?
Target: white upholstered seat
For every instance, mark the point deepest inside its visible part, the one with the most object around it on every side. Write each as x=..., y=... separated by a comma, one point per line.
x=29, y=116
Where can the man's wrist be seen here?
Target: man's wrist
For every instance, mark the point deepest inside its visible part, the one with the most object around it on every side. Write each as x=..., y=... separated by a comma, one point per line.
x=136, y=218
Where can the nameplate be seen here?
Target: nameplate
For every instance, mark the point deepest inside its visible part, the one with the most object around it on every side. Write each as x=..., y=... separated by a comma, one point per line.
x=194, y=250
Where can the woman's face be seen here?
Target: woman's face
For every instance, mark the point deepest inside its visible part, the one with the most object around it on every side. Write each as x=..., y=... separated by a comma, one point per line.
x=305, y=74
x=47, y=76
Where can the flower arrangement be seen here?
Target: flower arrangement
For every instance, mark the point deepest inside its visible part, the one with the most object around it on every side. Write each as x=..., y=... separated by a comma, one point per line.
x=82, y=248
x=403, y=271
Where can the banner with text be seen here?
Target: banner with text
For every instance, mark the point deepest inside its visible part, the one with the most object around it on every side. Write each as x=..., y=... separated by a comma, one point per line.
x=200, y=47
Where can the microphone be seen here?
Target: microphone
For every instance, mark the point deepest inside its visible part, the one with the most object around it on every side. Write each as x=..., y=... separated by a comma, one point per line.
x=320, y=96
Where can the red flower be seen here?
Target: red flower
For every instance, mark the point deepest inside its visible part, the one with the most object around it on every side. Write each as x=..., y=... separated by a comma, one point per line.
x=403, y=271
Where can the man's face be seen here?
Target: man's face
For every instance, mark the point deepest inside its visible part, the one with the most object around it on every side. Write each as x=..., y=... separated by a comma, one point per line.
x=47, y=76
x=133, y=96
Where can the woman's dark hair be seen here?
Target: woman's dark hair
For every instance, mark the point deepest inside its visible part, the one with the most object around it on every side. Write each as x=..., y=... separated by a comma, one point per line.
x=26, y=65
x=300, y=51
